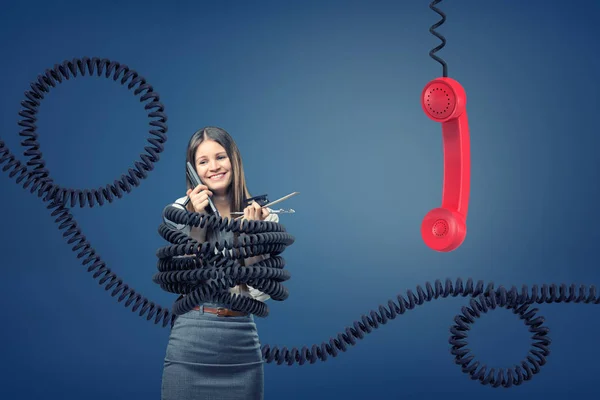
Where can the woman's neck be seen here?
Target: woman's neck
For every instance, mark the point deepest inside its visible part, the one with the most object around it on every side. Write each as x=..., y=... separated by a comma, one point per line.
x=223, y=204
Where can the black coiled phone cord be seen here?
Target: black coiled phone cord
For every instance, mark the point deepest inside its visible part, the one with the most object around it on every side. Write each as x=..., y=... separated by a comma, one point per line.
x=433, y=31
x=208, y=275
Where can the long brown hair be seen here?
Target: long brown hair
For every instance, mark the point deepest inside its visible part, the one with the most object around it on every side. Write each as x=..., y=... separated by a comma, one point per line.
x=237, y=191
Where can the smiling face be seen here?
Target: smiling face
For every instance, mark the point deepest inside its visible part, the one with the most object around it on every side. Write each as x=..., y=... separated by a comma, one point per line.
x=213, y=166
x=212, y=151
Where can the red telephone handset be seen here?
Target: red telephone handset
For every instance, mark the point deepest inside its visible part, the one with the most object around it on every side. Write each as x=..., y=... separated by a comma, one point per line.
x=444, y=100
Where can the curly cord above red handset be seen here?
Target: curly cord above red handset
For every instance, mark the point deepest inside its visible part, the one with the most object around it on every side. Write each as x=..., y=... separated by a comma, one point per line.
x=444, y=100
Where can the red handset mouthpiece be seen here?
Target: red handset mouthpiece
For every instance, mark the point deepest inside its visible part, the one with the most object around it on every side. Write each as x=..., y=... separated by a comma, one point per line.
x=444, y=100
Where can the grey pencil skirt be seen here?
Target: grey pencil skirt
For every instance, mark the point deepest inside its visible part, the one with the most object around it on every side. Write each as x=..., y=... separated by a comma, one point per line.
x=213, y=358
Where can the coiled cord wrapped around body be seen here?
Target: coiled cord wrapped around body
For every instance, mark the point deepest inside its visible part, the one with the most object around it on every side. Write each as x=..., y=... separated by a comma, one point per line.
x=208, y=273
x=207, y=276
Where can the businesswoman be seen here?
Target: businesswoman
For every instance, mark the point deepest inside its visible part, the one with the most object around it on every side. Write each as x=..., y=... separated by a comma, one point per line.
x=212, y=356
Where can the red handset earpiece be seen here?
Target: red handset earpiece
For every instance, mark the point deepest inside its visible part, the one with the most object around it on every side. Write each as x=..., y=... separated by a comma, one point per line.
x=444, y=228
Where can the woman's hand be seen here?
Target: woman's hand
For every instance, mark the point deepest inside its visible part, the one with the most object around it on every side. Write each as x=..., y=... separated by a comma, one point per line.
x=255, y=212
x=199, y=197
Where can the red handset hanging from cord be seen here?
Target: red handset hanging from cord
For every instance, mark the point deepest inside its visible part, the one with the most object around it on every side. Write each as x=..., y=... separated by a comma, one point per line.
x=445, y=228
x=444, y=100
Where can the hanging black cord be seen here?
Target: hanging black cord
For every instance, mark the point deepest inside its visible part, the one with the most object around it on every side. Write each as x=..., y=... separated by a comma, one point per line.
x=432, y=30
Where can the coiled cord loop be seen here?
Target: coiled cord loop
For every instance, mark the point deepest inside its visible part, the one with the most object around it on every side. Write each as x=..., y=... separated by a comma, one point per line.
x=59, y=199
x=39, y=177
x=482, y=301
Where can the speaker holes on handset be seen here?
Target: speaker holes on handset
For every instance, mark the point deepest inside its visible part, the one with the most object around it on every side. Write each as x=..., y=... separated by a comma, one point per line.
x=433, y=101
x=440, y=228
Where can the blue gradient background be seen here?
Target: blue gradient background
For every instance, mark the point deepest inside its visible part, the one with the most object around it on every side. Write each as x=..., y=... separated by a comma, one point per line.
x=322, y=98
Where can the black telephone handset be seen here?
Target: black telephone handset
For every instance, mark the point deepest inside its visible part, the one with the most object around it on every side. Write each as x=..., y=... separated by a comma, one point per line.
x=195, y=181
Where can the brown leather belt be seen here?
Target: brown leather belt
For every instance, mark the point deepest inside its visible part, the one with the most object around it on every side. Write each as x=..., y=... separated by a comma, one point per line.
x=222, y=312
